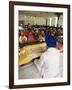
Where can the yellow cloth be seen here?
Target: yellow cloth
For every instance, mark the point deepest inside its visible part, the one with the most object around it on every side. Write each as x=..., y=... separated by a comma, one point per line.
x=29, y=52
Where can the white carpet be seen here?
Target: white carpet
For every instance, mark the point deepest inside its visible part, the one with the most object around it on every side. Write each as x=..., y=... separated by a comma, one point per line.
x=28, y=71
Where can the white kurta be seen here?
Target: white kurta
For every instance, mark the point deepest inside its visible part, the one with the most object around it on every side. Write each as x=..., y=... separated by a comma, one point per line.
x=49, y=63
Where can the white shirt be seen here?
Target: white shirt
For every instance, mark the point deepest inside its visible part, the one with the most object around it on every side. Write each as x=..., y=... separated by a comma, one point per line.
x=61, y=64
x=49, y=63
x=22, y=38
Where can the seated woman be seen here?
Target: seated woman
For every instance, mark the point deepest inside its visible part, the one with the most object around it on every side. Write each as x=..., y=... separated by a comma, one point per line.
x=22, y=37
x=30, y=36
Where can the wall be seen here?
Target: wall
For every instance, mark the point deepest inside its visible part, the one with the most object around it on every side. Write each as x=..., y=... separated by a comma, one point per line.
x=40, y=20
x=4, y=44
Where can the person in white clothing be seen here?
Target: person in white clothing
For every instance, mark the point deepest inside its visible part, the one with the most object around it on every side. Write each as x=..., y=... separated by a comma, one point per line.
x=59, y=45
x=49, y=64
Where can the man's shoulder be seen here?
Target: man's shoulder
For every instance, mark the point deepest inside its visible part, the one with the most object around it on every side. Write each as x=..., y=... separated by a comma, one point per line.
x=50, y=51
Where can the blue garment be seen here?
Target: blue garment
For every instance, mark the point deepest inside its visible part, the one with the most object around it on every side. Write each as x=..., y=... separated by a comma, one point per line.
x=50, y=40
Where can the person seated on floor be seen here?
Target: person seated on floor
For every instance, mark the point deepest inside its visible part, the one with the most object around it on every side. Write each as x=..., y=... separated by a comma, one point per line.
x=30, y=36
x=22, y=37
x=50, y=63
x=59, y=45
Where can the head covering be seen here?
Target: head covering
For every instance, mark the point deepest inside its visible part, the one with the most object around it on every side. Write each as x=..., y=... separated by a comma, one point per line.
x=60, y=39
x=50, y=40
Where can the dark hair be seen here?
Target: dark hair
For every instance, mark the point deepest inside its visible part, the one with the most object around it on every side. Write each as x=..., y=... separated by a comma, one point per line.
x=60, y=39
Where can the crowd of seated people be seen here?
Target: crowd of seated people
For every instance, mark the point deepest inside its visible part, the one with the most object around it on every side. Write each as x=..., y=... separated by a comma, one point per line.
x=33, y=33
